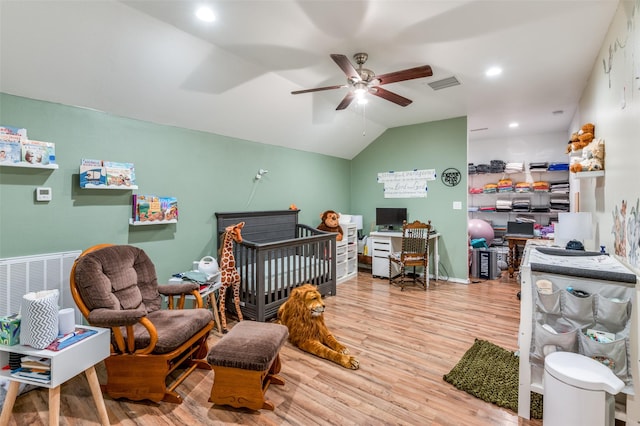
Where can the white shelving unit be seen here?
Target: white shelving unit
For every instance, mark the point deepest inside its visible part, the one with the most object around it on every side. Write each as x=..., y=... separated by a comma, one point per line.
x=535, y=197
x=347, y=253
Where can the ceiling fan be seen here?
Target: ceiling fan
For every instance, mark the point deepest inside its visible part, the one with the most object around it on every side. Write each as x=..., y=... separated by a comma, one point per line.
x=363, y=80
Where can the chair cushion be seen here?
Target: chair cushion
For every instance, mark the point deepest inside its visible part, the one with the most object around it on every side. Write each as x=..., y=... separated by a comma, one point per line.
x=407, y=258
x=249, y=345
x=174, y=327
x=118, y=277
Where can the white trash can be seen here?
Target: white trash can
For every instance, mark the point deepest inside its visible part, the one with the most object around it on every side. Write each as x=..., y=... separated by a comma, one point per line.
x=578, y=391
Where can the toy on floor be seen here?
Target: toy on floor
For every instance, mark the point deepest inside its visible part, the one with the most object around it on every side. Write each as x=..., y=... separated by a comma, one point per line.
x=303, y=314
x=331, y=223
x=229, y=275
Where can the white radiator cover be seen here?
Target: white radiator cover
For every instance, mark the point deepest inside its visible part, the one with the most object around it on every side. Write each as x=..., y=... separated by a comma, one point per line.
x=24, y=274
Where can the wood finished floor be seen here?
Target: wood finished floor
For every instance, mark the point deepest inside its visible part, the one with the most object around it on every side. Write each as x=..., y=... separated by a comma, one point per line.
x=405, y=342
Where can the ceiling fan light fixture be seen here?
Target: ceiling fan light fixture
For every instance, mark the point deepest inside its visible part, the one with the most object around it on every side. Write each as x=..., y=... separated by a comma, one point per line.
x=362, y=100
x=360, y=88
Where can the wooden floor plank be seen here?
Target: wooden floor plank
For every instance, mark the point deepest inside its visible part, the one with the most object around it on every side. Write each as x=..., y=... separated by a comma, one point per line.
x=405, y=342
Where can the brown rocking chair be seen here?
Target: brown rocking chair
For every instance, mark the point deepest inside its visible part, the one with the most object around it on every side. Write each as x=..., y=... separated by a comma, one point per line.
x=415, y=253
x=115, y=286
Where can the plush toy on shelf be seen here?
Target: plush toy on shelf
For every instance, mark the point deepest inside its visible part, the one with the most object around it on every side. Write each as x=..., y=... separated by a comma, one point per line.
x=581, y=138
x=331, y=223
x=592, y=158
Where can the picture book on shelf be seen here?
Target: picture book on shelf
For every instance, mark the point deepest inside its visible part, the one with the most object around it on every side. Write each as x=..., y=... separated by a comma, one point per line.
x=37, y=152
x=67, y=340
x=92, y=176
x=10, y=151
x=120, y=174
x=13, y=131
x=148, y=208
x=36, y=363
x=119, y=177
x=42, y=376
x=90, y=162
x=169, y=208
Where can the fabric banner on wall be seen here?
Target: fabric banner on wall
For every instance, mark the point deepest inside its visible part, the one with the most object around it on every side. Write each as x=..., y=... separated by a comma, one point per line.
x=406, y=184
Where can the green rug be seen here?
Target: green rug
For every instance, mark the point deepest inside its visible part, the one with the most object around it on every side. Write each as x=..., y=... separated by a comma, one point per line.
x=490, y=373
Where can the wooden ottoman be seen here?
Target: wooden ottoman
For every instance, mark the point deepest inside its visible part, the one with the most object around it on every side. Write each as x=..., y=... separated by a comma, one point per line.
x=245, y=361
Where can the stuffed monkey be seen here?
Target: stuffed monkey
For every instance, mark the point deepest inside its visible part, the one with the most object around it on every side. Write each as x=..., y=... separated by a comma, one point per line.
x=330, y=223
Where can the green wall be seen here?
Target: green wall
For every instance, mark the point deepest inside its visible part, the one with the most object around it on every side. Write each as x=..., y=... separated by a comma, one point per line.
x=210, y=173
x=206, y=172
x=435, y=145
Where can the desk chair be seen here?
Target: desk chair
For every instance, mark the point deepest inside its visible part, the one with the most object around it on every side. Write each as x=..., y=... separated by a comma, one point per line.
x=415, y=252
x=115, y=286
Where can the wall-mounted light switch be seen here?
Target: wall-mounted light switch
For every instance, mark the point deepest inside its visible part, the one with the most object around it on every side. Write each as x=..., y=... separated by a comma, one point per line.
x=457, y=205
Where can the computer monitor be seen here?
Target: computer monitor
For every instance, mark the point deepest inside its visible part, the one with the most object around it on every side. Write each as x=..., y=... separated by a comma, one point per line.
x=390, y=218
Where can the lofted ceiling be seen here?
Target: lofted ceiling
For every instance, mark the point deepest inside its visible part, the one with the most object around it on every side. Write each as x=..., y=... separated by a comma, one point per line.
x=153, y=61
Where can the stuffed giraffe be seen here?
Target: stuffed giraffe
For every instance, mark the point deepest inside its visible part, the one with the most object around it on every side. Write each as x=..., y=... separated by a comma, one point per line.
x=229, y=275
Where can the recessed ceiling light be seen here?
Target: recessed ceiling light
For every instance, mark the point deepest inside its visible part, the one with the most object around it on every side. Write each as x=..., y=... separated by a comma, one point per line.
x=493, y=71
x=513, y=125
x=205, y=14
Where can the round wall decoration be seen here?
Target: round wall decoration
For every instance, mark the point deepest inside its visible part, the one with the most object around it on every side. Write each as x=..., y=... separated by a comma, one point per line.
x=451, y=176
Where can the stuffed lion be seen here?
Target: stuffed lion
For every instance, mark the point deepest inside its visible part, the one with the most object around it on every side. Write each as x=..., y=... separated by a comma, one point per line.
x=303, y=314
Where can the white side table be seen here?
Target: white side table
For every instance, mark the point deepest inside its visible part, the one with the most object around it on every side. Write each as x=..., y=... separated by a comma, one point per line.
x=209, y=295
x=67, y=363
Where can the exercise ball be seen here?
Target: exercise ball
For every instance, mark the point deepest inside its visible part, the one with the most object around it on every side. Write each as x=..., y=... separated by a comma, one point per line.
x=479, y=228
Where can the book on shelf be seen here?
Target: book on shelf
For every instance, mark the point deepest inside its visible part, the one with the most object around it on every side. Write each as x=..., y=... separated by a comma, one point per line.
x=90, y=162
x=67, y=340
x=42, y=376
x=169, y=208
x=38, y=152
x=119, y=173
x=151, y=208
x=92, y=175
x=13, y=131
x=10, y=151
x=36, y=363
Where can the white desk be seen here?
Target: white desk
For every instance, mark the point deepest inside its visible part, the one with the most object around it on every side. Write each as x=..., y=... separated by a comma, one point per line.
x=384, y=243
x=67, y=363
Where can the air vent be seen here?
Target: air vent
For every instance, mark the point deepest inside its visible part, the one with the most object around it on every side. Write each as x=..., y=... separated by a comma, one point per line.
x=479, y=129
x=444, y=83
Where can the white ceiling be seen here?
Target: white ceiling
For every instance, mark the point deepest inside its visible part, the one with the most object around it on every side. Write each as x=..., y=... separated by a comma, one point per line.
x=151, y=60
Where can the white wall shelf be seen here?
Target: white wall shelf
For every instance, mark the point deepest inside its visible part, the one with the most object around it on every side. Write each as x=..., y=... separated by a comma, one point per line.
x=26, y=165
x=152, y=222
x=588, y=175
x=121, y=187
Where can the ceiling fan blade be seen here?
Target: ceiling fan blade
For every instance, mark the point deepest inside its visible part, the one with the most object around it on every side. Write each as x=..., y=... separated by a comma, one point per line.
x=346, y=67
x=410, y=74
x=390, y=96
x=318, y=89
x=347, y=101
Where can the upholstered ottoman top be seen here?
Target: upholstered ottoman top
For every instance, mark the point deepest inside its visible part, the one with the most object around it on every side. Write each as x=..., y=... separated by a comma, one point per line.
x=249, y=345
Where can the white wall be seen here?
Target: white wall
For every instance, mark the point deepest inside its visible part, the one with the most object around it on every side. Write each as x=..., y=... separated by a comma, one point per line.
x=611, y=100
x=540, y=147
